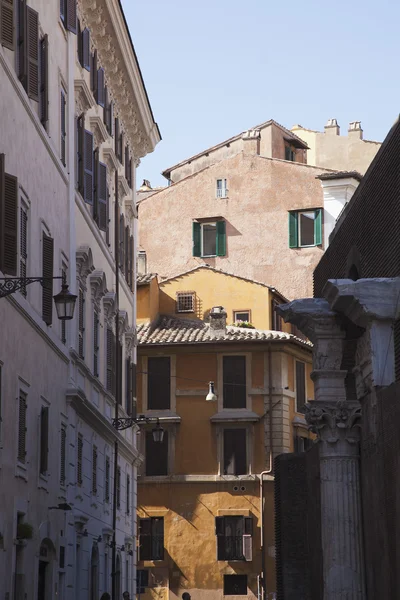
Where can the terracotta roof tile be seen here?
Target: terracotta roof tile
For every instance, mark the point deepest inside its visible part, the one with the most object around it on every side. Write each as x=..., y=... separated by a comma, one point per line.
x=145, y=279
x=169, y=330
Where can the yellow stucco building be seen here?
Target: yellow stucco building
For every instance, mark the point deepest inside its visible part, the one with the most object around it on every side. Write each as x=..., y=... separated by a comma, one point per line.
x=205, y=520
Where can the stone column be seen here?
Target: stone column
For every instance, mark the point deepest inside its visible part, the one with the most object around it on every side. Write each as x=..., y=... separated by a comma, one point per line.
x=336, y=422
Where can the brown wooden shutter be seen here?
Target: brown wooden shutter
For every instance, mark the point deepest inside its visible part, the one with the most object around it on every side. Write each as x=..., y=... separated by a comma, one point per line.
x=248, y=539
x=100, y=88
x=23, y=245
x=116, y=137
x=109, y=360
x=44, y=439
x=127, y=254
x=22, y=427
x=8, y=221
x=220, y=533
x=132, y=264
x=63, y=127
x=32, y=82
x=7, y=30
x=71, y=20
x=47, y=273
x=44, y=82
x=63, y=439
x=88, y=166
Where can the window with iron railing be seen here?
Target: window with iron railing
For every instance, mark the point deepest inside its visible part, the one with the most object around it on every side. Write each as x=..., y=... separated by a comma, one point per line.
x=151, y=538
x=185, y=302
x=234, y=538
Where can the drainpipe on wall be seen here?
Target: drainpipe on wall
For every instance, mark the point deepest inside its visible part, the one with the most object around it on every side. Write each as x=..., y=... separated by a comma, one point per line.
x=268, y=472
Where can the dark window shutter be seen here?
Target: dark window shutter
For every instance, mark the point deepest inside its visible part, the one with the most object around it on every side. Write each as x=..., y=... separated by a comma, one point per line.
x=22, y=43
x=220, y=533
x=128, y=494
x=121, y=148
x=96, y=324
x=156, y=455
x=94, y=470
x=80, y=137
x=32, y=53
x=63, y=441
x=158, y=383
x=22, y=427
x=101, y=215
x=248, y=525
x=127, y=163
x=318, y=227
x=79, y=44
x=107, y=480
x=88, y=167
x=110, y=353
x=235, y=459
x=234, y=379
x=8, y=221
x=157, y=538
x=62, y=10
x=118, y=487
x=100, y=87
x=71, y=20
x=127, y=254
x=133, y=387
x=47, y=273
x=221, y=238
x=81, y=323
x=196, y=239
x=144, y=539
x=128, y=386
x=63, y=127
x=116, y=137
x=44, y=81
x=44, y=439
x=293, y=230
x=23, y=245
x=106, y=112
x=132, y=264
x=93, y=73
x=79, y=472
x=7, y=31
x=119, y=350
x=300, y=386
x=121, y=242
x=86, y=49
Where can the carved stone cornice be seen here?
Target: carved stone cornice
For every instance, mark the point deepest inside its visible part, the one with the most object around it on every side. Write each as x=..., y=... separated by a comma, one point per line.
x=83, y=97
x=123, y=323
x=123, y=188
x=111, y=39
x=110, y=308
x=130, y=341
x=99, y=130
x=129, y=209
x=98, y=285
x=110, y=159
x=335, y=422
x=84, y=264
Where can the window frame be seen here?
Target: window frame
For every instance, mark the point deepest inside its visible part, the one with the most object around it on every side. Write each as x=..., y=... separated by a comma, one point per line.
x=242, y=575
x=223, y=188
x=305, y=212
x=243, y=523
x=179, y=296
x=144, y=370
x=290, y=152
x=151, y=556
x=295, y=227
x=167, y=446
x=276, y=319
x=223, y=384
x=202, y=225
x=231, y=427
x=236, y=312
x=23, y=208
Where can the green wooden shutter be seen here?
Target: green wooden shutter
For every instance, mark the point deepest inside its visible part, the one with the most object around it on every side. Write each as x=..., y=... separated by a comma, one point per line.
x=7, y=36
x=293, y=230
x=221, y=238
x=196, y=239
x=318, y=227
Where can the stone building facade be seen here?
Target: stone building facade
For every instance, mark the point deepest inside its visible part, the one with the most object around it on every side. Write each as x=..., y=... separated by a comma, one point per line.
x=75, y=121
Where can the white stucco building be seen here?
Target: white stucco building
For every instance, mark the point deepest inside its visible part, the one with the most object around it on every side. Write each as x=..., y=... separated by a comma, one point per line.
x=75, y=120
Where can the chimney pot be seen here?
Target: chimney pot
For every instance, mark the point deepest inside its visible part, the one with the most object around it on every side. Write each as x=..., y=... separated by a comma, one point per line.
x=355, y=130
x=332, y=127
x=217, y=321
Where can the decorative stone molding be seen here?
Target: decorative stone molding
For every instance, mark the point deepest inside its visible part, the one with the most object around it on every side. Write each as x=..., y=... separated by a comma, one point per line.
x=334, y=422
x=111, y=39
x=110, y=309
x=110, y=159
x=123, y=188
x=98, y=284
x=84, y=264
x=83, y=97
x=99, y=131
x=130, y=338
x=123, y=323
x=129, y=209
x=371, y=304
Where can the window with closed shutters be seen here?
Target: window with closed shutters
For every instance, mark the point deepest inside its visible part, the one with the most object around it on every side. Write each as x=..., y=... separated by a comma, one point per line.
x=28, y=49
x=235, y=452
x=107, y=480
x=100, y=88
x=159, y=383
x=142, y=580
x=79, y=147
x=100, y=209
x=81, y=323
x=44, y=439
x=84, y=48
x=63, y=127
x=156, y=455
x=300, y=386
x=131, y=264
x=9, y=221
x=234, y=537
x=110, y=354
x=63, y=449
x=79, y=461
x=234, y=382
x=47, y=273
x=88, y=162
x=23, y=244
x=22, y=427
x=44, y=80
x=94, y=470
x=68, y=14
x=7, y=31
x=122, y=242
x=151, y=538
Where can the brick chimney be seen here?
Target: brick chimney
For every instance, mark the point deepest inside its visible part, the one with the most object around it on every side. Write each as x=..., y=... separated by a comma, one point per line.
x=332, y=127
x=251, y=141
x=217, y=321
x=355, y=132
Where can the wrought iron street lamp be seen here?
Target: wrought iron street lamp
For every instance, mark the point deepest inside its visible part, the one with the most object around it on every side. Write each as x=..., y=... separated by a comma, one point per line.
x=126, y=422
x=64, y=300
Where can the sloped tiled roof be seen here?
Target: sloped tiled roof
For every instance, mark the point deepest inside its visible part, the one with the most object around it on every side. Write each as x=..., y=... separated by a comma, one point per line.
x=168, y=330
x=145, y=278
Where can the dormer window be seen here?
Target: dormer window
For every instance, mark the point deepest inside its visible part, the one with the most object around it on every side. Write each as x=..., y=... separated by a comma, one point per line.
x=290, y=153
x=222, y=189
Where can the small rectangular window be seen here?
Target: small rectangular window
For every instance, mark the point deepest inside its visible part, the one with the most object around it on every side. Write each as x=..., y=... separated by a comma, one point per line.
x=290, y=153
x=63, y=441
x=209, y=239
x=221, y=188
x=185, y=302
x=151, y=538
x=159, y=383
x=79, y=461
x=305, y=228
x=156, y=455
x=300, y=386
x=235, y=585
x=241, y=316
x=301, y=444
x=234, y=382
x=235, y=452
x=142, y=581
x=22, y=427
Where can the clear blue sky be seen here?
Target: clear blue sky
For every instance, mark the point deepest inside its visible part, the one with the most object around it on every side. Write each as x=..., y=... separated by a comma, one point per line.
x=217, y=67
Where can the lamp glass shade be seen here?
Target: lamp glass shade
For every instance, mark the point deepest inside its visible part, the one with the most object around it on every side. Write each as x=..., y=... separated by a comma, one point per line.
x=65, y=303
x=211, y=396
x=158, y=434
